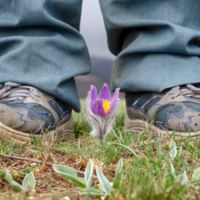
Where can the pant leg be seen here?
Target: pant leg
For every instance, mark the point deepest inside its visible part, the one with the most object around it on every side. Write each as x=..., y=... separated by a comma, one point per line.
x=40, y=45
x=157, y=43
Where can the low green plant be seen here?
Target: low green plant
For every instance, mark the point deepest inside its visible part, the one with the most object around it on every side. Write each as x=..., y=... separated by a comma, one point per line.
x=28, y=182
x=182, y=178
x=103, y=189
x=107, y=188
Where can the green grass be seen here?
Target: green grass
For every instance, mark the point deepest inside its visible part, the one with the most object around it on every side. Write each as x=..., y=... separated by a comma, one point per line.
x=145, y=176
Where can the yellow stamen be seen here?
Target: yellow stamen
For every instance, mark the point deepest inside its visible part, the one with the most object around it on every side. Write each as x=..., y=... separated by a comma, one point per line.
x=106, y=105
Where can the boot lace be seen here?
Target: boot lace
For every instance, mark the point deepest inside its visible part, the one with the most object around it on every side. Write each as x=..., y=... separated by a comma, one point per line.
x=190, y=91
x=14, y=95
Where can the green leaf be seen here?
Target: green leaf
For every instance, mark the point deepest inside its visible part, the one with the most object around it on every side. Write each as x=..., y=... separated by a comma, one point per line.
x=3, y=174
x=158, y=146
x=172, y=171
x=81, y=179
x=92, y=192
x=65, y=169
x=119, y=167
x=105, y=184
x=173, y=151
x=16, y=176
x=29, y=181
x=29, y=169
x=179, y=152
x=116, y=181
x=196, y=175
x=13, y=183
x=98, y=187
x=88, y=174
x=183, y=178
x=69, y=173
x=125, y=147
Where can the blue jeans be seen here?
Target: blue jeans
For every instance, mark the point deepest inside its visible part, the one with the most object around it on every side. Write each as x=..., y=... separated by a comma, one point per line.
x=156, y=43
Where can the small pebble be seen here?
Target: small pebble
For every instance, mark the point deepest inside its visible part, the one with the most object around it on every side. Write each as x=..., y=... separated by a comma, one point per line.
x=65, y=198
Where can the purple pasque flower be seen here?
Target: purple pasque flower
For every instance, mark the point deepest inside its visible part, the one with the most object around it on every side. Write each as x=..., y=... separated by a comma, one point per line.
x=100, y=110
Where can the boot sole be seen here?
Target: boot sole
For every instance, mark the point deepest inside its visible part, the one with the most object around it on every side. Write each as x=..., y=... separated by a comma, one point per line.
x=138, y=126
x=65, y=131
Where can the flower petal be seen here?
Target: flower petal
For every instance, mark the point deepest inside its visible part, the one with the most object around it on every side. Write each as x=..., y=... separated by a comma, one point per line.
x=114, y=102
x=97, y=107
x=93, y=95
x=93, y=92
x=105, y=93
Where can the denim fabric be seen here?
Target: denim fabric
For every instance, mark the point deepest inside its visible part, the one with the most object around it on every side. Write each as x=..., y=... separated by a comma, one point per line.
x=40, y=45
x=157, y=43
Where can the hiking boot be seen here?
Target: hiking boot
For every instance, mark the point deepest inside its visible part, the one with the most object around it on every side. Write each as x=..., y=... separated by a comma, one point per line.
x=25, y=110
x=176, y=110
